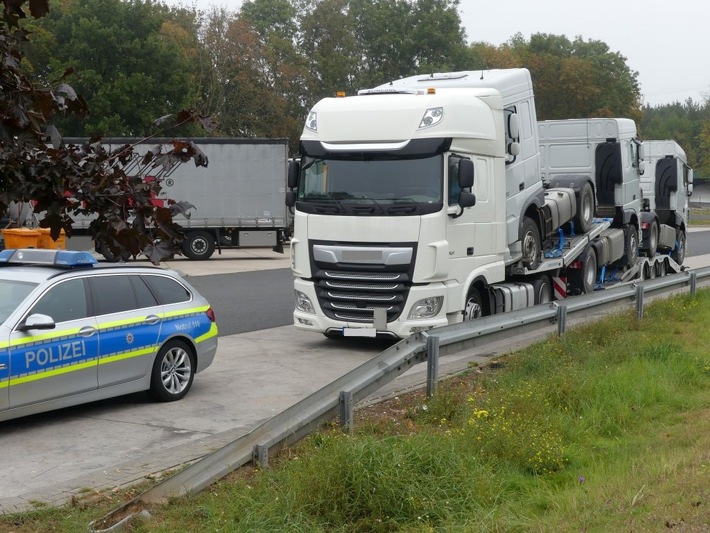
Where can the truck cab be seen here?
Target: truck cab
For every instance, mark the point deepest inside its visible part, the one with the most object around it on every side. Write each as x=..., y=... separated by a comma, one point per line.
x=667, y=184
x=606, y=152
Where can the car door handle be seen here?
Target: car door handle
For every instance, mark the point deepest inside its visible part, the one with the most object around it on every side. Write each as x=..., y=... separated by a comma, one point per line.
x=87, y=331
x=3, y=366
x=152, y=319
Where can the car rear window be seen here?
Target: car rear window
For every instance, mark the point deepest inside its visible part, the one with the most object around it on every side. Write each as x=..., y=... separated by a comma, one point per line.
x=167, y=290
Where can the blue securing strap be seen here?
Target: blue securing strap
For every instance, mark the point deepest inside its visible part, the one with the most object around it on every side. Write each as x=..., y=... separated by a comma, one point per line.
x=557, y=252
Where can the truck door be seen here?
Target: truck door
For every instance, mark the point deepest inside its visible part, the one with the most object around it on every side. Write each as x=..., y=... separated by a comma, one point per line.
x=61, y=361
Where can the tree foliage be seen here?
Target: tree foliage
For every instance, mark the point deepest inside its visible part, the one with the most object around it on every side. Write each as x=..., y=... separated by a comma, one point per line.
x=62, y=179
x=131, y=60
x=572, y=79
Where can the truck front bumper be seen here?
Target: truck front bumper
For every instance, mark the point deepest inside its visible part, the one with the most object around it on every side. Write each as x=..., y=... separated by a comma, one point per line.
x=400, y=328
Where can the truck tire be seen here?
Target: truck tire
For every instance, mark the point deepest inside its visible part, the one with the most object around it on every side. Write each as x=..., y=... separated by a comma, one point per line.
x=474, y=305
x=678, y=253
x=103, y=249
x=542, y=289
x=582, y=280
x=652, y=240
x=198, y=245
x=631, y=246
x=584, y=219
x=531, y=244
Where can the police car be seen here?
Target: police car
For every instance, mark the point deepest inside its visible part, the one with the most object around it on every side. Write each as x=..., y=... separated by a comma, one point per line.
x=74, y=331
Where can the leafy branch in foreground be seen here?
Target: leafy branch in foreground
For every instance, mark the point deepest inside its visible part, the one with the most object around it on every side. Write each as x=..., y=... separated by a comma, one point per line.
x=116, y=186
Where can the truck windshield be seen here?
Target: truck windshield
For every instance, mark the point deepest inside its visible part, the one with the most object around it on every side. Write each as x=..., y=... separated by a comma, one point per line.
x=373, y=187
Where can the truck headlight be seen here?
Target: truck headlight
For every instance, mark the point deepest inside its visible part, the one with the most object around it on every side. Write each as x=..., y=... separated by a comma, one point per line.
x=303, y=303
x=426, y=308
x=432, y=117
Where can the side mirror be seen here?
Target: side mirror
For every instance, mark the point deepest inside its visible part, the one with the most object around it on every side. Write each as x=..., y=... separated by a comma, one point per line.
x=514, y=126
x=465, y=173
x=290, y=198
x=294, y=169
x=467, y=199
x=37, y=321
x=514, y=149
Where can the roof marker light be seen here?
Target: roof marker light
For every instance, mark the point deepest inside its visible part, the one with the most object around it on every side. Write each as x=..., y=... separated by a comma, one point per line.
x=432, y=117
x=312, y=121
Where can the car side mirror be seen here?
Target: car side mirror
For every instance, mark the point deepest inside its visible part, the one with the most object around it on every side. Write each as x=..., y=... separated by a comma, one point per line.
x=37, y=321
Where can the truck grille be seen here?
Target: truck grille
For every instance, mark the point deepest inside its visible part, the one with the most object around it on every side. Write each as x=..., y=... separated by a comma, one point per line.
x=352, y=291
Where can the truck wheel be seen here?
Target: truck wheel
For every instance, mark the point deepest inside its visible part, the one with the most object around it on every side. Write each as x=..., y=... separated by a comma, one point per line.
x=660, y=268
x=678, y=253
x=474, y=305
x=532, y=247
x=652, y=240
x=198, y=245
x=103, y=249
x=631, y=245
x=543, y=290
x=585, y=209
x=583, y=279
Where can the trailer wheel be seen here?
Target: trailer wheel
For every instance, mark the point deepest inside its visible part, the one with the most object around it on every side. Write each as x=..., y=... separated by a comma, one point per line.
x=474, y=305
x=649, y=271
x=198, y=245
x=532, y=246
x=585, y=209
x=652, y=240
x=631, y=245
x=543, y=290
x=661, y=268
x=678, y=253
x=583, y=279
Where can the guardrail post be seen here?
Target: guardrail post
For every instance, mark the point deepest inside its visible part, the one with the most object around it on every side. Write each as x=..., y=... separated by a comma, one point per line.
x=260, y=455
x=432, y=364
x=639, y=302
x=561, y=320
x=693, y=283
x=345, y=401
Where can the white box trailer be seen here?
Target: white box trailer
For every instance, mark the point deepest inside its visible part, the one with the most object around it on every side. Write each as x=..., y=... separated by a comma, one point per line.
x=237, y=198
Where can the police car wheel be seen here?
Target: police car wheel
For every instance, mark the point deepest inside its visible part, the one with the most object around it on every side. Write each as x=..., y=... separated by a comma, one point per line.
x=173, y=372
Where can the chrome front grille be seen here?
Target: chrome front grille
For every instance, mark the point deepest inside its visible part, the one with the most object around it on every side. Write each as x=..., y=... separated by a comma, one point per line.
x=352, y=281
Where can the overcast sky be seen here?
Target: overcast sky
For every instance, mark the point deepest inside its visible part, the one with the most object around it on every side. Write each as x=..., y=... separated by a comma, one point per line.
x=665, y=41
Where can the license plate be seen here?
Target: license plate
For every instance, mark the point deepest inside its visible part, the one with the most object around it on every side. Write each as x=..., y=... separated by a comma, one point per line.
x=359, y=332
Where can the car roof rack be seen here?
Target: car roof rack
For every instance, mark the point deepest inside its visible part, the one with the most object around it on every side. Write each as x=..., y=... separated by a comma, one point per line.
x=44, y=257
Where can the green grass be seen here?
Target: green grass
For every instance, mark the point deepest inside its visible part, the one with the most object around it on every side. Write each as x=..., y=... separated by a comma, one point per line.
x=606, y=429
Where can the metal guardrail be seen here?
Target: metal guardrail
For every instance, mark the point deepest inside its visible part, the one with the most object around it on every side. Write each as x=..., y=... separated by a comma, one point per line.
x=338, y=397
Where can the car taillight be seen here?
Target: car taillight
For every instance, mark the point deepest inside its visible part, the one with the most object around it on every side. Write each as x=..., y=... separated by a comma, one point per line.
x=210, y=315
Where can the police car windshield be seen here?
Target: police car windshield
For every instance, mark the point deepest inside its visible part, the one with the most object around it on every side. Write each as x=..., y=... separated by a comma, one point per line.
x=12, y=293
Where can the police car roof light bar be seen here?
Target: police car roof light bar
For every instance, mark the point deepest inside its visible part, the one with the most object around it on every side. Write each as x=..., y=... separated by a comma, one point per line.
x=35, y=256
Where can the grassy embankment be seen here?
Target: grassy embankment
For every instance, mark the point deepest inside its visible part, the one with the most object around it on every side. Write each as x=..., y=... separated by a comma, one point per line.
x=607, y=429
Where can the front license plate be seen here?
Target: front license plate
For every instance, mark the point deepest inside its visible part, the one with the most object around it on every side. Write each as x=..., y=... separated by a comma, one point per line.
x=359, y=332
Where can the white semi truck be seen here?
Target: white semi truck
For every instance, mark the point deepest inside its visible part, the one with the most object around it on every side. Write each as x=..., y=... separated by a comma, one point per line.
x=667, y=184
x=237, y=201
x=420, y=204
x=627, y=176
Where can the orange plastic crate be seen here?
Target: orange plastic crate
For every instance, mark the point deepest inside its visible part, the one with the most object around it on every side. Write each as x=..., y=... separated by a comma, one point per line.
x=21, y=237
x=46, y=241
